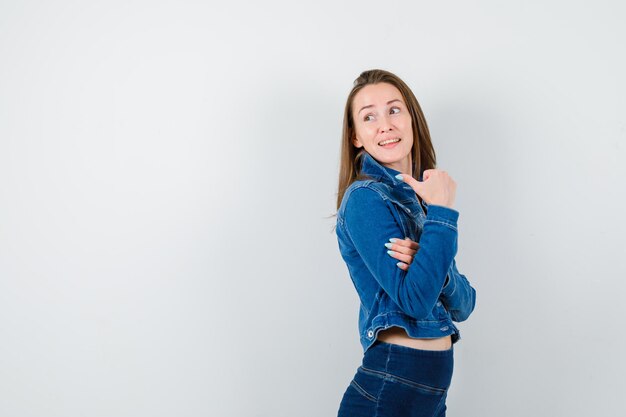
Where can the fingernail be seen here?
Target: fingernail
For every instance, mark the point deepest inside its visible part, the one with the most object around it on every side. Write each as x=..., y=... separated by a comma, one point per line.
x=405, y=238
x=399, y=176
x=390, y=252
x=393, y=239
x=399, y=264
x=388, y=245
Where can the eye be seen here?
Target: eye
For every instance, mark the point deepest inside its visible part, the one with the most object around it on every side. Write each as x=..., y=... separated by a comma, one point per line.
x=397, y=108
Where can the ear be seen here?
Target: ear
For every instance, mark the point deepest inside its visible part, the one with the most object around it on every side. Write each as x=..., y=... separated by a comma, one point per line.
x=357, y=143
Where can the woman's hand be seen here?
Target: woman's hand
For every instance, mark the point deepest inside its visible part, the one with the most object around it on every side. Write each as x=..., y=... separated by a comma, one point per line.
x=402, y=249
x=438, y=187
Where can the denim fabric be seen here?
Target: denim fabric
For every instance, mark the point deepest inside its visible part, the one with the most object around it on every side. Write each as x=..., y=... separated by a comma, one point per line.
x=423, y=300
x=399, y=381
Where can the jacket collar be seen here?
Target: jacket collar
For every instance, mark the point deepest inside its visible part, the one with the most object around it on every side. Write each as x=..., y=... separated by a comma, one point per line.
x=373, y=168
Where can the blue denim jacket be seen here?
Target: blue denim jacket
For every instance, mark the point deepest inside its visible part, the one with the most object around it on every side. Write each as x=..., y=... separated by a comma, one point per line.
x=423, y=300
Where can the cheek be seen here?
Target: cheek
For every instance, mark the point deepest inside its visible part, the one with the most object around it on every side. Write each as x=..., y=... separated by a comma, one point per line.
x=406, y=122
x=366, y=130
x=406, y=127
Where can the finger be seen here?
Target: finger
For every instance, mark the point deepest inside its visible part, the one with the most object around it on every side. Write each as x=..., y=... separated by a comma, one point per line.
x=407, y=251
x=400, y=256
x=415, y=184
x=403, y=266
x=411, y=243
x=405, y=242
x=397, y=247
x=400, y=242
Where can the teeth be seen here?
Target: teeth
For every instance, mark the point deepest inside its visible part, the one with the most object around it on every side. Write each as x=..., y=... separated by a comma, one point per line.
x=385, y=142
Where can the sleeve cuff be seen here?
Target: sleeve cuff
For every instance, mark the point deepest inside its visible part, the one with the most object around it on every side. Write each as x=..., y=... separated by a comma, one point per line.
x=442, y=214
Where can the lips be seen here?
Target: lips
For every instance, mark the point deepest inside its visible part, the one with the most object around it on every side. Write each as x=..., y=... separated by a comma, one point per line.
x=382, y=141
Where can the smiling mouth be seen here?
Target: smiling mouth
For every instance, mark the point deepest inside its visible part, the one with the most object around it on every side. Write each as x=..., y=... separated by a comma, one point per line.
x=388, y=141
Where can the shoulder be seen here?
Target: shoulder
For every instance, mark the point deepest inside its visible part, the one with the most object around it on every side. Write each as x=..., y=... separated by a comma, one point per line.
x=363, y=188
x=363, y=194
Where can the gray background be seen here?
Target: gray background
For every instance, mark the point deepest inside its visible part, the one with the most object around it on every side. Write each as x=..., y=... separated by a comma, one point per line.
x=168, y=169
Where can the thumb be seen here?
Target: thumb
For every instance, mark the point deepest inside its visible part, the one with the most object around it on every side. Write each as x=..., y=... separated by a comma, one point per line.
x=415, y=184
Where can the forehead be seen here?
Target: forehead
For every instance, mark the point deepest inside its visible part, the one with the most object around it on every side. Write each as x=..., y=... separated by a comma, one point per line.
x=376, y=94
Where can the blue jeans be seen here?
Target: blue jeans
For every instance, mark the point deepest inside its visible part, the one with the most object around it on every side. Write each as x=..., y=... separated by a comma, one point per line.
x=396, y=380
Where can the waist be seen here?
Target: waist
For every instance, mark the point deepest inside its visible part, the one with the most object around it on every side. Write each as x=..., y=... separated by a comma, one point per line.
x=398, y=336
x=436, y=326
x=429, y=370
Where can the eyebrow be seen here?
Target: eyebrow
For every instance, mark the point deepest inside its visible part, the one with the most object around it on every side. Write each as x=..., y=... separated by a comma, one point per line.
x=371, y=105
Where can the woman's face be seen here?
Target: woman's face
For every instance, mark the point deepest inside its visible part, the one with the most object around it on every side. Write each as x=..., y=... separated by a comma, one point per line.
x=379, y=113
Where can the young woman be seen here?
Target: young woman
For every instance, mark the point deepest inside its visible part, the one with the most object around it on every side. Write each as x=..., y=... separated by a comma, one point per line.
x=391, y=197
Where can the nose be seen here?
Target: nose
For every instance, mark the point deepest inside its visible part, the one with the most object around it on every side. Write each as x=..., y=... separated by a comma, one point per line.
x=385, y=123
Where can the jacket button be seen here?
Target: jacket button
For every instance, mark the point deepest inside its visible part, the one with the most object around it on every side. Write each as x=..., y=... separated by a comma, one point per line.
x=438, y=303
x=370, y=334
x=443, y=329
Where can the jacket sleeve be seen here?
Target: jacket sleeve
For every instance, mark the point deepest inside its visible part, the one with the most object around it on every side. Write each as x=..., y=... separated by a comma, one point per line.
x=458, y=296
x=370, y=223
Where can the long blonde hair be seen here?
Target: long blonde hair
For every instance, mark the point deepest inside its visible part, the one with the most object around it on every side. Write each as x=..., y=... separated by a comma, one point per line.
x=422, y=152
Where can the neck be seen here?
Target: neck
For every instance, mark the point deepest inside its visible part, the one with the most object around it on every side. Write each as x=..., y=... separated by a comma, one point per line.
x=404, y=166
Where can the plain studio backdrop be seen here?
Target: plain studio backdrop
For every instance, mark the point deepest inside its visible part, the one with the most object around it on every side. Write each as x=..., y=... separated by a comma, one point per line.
x=168, y=173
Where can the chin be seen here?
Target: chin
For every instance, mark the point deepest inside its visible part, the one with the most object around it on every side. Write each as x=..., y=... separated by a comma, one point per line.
x=390, y=157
